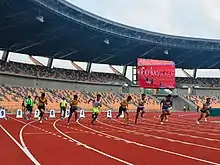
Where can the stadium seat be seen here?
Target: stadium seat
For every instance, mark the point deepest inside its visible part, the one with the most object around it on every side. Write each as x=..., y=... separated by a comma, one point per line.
x=11, y=98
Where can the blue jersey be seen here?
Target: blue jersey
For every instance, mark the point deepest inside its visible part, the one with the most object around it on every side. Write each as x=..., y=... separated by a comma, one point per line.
x=166, y=103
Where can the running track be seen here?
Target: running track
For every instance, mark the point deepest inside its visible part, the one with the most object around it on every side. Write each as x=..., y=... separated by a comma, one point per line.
x=111, y=142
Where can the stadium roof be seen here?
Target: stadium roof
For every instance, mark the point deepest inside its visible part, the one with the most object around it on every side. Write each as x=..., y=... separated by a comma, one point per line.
x=58, y=29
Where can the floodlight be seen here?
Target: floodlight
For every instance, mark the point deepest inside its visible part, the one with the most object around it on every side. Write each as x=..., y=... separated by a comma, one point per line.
x=126, y=85
x=106, y=41
x=40, y=18
x=166, y=52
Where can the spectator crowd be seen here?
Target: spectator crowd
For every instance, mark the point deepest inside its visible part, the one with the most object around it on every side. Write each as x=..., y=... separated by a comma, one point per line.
x=42, y=71
x=79, y=75
x=202, y=82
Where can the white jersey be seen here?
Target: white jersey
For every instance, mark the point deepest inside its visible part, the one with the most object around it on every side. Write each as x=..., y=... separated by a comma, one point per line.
x=96, y=103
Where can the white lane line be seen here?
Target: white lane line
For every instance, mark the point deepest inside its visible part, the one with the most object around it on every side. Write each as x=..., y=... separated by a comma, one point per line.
x=23, y=149
x=22, y=141
x=90, y=148
x=151, y=147
x=29, y=133
x=24, y=145
x=189, y=120
x=162, y=138
x=178, y=123
x=169, y=130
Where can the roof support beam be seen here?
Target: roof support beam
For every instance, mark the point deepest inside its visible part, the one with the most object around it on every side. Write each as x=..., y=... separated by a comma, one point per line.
x=114, y=70
x=35, y=61
x=50, y=63
x=125, y=68
x=88, y=67
x=76, y=66
x=194, y=73
x=5, y=55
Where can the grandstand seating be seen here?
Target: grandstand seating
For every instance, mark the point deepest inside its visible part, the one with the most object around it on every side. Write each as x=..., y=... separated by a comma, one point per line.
x=199, y=100
x=202, y=82
x=186, y=80
x=78, y=75
x=11, y=98
x=42, y=71
x=210, y=82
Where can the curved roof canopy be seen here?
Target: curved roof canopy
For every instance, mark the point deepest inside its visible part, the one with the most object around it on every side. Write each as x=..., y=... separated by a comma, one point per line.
x=58, y=29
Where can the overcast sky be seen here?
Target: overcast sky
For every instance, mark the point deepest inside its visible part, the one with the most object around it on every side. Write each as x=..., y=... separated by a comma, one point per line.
x=196, y=18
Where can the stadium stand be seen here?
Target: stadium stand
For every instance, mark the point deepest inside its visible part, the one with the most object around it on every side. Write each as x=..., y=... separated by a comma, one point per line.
x=199, y=100
x=81, y=36
x=186, y=81
x=56, y=29
x=78, y=75
x=210, y=82
x=202, y=82
x=11, y=98
x=42, y=71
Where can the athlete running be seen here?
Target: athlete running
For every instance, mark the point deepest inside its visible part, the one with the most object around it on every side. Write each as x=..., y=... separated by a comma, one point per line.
x=140, y=107
x=123, y=108
x=29, y=107
x=205, y=110
x=41, y=102
x=73, y=108
x=166, y=105
x=97, y=104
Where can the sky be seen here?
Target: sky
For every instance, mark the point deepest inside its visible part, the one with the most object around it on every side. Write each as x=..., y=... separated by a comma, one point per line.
x=192, y=18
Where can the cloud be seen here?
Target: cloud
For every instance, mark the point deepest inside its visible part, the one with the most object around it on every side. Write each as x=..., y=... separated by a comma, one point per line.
x=196, y=18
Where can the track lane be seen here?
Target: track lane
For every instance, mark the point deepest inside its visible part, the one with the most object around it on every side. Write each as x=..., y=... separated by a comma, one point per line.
x=181, y=128
x=169, y=135
x=59, y=149
x=175, y=122
x=41, y=133
x=127, y=150
x=178, y=119
x=193, y=151
x=42, y=137
x=13, y=126
x=10, y=153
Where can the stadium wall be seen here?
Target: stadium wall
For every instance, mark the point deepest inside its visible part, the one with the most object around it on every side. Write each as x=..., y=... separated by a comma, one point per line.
x=36, y=82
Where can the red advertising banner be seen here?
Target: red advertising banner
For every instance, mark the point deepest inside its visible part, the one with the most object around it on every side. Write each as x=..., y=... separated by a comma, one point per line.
x=156, y=74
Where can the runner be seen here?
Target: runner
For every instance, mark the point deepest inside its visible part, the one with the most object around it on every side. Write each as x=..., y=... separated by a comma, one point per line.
x=29, y=107
x=41, y=102
x=63, y=106
x=23, y=108
x=140, y=107
x=205, y=110
x=123, y=108
x=166, y=105
x=97, y=104
x=73, y=108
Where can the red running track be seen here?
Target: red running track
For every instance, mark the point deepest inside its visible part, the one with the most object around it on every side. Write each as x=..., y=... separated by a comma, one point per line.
x=179, y=141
